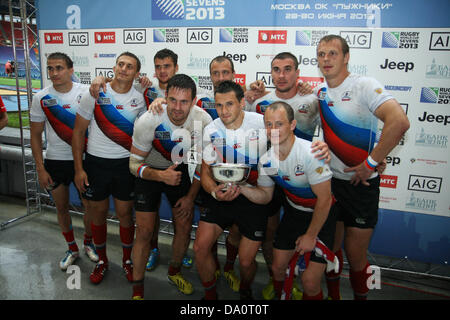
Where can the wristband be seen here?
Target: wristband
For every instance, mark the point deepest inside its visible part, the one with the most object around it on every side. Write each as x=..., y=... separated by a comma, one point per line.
x=140, y=170
x=370, y=163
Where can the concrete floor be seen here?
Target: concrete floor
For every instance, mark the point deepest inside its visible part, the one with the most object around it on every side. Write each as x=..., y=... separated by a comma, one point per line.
x=31, y=248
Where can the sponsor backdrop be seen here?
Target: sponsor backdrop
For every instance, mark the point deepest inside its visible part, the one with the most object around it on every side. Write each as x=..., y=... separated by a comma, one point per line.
x=408, y=53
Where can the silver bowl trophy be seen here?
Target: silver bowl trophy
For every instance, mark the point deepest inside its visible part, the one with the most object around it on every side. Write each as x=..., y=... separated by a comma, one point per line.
x=230, y=173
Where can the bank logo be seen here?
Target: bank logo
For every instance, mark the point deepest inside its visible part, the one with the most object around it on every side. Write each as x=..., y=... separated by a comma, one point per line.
x=437, y=71
x=431, y=139
x=199, y=63
x=424, y=183
x=429, y=94
x=167, y=9
x=419, y=203
x=440, y=41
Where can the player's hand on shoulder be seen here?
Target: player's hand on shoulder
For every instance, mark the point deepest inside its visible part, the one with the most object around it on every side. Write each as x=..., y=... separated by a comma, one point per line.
x=156, y=106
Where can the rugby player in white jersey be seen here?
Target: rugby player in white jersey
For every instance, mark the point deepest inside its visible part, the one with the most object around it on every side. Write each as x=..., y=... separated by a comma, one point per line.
x=161, y=145
x=350, y=107
x=54, y=109
x=110, y=120
x=306, y=184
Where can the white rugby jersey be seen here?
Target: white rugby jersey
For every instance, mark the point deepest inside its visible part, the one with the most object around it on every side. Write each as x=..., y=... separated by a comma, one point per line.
x=348, y=121
x=112, y=119
x=243, y=145
x=306, y=111
x=295, y=174
x=168, y=143
x=58, y=111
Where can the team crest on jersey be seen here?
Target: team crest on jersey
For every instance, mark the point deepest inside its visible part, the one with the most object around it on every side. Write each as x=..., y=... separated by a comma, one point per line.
x=49, y=102
x=134, y=103
x=319, y=170
x=253, y=135
x=379, y=90
x=346, y=96
x=304, y=108
x=299, y=170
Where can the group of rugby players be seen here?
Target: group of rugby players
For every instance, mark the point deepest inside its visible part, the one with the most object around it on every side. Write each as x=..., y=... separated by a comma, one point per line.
x=134, y=141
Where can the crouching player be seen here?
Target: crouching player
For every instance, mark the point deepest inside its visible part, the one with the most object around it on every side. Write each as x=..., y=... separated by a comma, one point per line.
x=306, y=183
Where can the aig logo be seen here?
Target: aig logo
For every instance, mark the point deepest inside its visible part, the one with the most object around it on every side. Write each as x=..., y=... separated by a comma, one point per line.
x=424, y=183
x=105, y=72
x=134, y=36
x=78, y=39
x=440, y=41
x=357, y=39
x=199, y=35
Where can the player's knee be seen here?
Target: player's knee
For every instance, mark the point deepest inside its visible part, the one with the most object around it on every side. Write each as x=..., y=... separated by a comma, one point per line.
x=144, y=233
x=310, y=283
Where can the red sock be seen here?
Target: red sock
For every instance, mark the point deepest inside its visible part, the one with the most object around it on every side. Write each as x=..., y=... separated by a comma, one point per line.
x=87, y=239
x=278, y=288
x=232, y=253
x=173, y=270
x=127, y=237
x=70, y=239
x=334, y=279
x=210, y=289
x=99, y=237
x=358, y=279
x=138, y=288
x=319, y=296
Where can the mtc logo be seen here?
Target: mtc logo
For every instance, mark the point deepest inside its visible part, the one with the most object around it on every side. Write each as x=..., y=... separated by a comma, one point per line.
x=407, y=66
x=105, y=37
x=239, y=79
x=272, y=36
x=53, y=37
x=387, y=181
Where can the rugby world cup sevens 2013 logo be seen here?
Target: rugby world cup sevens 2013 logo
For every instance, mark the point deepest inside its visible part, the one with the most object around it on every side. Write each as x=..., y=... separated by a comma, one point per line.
x=167, y=9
